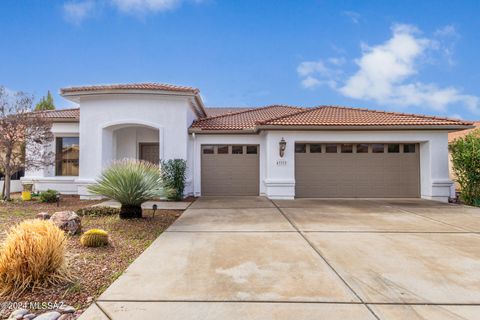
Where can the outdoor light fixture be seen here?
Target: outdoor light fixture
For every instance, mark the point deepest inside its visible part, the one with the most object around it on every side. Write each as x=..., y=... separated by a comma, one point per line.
x=154, y=207
x=283, y=145
x=57, y=197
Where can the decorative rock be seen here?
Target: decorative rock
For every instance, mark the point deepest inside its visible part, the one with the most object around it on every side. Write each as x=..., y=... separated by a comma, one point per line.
x=18, y=313
x=89, y=299
x=66, y=309
x=66, y=316
x=29, y=316
x=68, y=221
x=52, y=315
x=43, y=215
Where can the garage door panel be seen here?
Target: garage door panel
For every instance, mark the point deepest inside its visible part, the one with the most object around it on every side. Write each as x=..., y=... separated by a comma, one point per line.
x=230, y=174
x=364, y=175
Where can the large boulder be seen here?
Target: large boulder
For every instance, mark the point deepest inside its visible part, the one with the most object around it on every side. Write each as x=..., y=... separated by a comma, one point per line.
x=68, y=221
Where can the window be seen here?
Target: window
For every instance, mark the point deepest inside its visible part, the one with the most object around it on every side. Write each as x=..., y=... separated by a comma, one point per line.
x=393, y=148
x=222, y=149
x=67, y=156
x=378, y=148
x=252, y=150
x=347, y=148
x=362, y=148
x=300, y=148
x=237, y=149
x=409, y=148
x=331, y=148
x=208, y=150
x=315, y=148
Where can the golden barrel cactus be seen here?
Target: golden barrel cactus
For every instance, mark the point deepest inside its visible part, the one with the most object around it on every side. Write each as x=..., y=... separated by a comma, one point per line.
x=94, y=238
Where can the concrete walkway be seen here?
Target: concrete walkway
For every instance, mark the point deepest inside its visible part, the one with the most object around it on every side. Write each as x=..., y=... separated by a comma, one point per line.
x=251, y=258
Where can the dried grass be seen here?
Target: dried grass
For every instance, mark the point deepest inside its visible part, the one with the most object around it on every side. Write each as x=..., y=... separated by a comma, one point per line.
x=32, y=255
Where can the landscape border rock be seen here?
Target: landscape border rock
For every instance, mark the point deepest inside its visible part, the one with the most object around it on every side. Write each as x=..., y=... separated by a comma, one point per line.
x=68, y=221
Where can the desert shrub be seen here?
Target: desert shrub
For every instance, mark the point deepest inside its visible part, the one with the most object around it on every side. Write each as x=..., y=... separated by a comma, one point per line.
x=130, y=182
x=465, y=153
x=94, y=238
x=98, y=211
x=32, y=255
x=173, y=177
x=48, y=196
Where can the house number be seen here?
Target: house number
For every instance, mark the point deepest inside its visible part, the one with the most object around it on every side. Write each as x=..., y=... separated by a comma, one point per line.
x=281, y=162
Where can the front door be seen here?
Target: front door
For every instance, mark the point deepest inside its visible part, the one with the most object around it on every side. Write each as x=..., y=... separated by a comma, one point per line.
x=150, y=152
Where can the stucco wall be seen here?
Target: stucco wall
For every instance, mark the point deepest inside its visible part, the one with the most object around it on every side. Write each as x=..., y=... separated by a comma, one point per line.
x=127, y=140
x=15, y=185
x=101, y=115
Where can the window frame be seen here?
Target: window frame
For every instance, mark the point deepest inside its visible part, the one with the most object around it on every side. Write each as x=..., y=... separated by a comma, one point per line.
x=60, y=160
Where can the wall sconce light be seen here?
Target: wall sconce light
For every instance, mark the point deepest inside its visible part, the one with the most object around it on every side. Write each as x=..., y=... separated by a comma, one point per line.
x=282, y=146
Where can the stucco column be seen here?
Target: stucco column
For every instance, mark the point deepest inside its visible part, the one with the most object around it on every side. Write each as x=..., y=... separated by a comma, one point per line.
x=280, y=171
x=435, y=180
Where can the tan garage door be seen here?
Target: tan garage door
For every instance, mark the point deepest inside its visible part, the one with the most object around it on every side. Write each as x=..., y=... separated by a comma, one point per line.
x=361, y=170
x=230, y=170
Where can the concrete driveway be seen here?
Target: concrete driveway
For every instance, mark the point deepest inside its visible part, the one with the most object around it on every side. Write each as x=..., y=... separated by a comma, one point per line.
x=251, y=258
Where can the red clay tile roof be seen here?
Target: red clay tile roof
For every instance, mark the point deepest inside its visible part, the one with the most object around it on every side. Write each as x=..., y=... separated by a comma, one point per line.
x=216, y=111
x=131, y=86
x=244, y=119
x=323, y=116
x=454, y=135
x=345, y=116
x=73, y=113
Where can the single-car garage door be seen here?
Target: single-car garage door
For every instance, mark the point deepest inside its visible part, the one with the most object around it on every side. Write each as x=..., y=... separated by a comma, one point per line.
x=230, y=170
x=357, y=170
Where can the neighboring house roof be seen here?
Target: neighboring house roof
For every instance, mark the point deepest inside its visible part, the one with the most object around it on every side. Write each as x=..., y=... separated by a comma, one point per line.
x=72, y=114
x=131, y=86
x=458, y=134
x=322, y=116
x=244, y=119
x=216, y=111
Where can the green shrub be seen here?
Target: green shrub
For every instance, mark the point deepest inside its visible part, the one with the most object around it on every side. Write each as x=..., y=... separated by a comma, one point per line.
x=465, y=153
x=48, y=196
x=130, y=182
x=98, y=211
x=173, y=177
x=94, y=238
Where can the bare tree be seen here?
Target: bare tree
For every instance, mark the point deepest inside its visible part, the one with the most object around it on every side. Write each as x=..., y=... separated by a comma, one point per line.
x=25, y=136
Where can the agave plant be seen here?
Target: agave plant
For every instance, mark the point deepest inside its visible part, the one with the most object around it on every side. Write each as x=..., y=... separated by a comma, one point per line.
x=130, y=182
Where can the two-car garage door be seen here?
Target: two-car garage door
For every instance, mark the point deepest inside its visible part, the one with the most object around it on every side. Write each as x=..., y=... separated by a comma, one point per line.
x=363, y=170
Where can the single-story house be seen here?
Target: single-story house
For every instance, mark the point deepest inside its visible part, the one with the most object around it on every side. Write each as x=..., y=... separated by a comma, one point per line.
x=278, y=151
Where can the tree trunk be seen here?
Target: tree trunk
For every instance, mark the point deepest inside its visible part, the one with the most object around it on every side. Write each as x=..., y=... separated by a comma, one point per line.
x=130, y=212
x=6, y=182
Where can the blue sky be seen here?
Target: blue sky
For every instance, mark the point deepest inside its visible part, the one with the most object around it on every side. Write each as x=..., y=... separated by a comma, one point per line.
x=407, y=56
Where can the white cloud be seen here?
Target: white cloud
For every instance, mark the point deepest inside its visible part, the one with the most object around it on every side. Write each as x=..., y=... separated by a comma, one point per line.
x=354, y=16
x=145, y=6
x=76, y=12
x=317, y=73
x=385, y=71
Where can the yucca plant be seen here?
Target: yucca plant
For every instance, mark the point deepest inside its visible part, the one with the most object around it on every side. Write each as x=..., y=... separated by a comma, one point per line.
x=130, y=182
